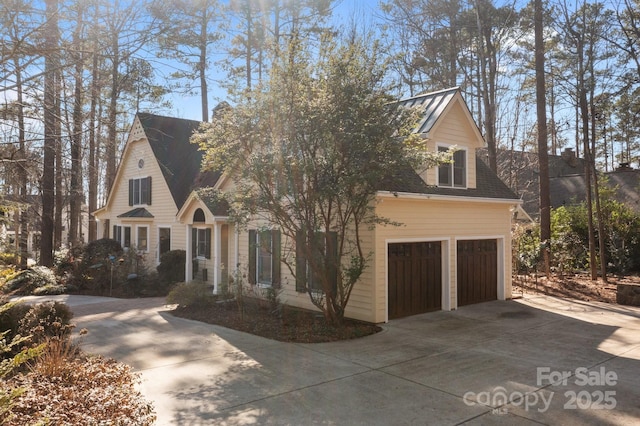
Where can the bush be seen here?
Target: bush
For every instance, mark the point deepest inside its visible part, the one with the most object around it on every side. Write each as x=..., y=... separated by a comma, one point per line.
x=195, y=293
x=171, y=267
x=27, y=281
x=94, y=274
x=46, y=320
x=10, y=315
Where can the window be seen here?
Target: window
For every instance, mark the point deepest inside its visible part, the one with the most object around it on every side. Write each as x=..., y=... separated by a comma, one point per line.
x=264, y=257
x=140, y=191
x=201, y=242
x=143, y=241
x=325, y=258
x=453, y=174
x=122, y=234
x=164, y=237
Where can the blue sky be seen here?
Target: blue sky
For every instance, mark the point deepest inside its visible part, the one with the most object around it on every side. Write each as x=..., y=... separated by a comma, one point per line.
x=189, y=106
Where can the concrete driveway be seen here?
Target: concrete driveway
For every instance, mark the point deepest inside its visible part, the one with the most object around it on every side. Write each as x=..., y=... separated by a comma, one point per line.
x=537, y=360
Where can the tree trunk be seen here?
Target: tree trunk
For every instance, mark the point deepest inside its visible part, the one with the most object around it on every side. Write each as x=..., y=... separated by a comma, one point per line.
x=75, y=203
x=543, y=154
x=23, y=234
x=202, y=66
x=93, y=146
x=49, y=148
x=113, y=114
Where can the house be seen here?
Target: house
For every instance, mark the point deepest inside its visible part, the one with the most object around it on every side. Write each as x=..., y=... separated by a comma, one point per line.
x=158, y=170
x=452, y=249
x=519, y=170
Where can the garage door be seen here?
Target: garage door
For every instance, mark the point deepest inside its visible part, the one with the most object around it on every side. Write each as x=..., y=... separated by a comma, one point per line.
x=415, y=278
x=477, y=271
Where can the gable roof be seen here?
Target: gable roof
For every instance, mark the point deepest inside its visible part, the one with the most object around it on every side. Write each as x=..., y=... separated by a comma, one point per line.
x=488, y=184
x=178, y=159
x=434, y=105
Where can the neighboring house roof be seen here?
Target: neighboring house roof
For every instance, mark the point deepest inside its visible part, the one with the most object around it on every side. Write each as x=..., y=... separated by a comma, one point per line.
x=520, y=171
x=139, y=212
x=179, y=159
x=488, y=184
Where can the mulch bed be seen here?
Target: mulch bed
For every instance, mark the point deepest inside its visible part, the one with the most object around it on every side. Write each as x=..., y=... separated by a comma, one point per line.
x=287, y=324
x=575, y=286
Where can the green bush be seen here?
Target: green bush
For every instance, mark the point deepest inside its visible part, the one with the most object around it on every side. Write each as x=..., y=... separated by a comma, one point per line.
x=195, y=293
x=171, y=267
x=99, y=267
x=27, y=281
x=10, y=315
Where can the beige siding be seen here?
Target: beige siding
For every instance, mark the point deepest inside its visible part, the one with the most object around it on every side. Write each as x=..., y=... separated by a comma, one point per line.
x=447, y=221
x=454, y=128
x=162, y=206
x=361, y=302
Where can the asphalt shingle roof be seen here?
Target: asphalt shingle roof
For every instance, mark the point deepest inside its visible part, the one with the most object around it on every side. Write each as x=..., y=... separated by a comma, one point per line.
x=179, y=159
x=488, y=184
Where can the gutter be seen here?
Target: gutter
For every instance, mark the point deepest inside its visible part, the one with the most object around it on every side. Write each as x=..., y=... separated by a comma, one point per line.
x=454, y=198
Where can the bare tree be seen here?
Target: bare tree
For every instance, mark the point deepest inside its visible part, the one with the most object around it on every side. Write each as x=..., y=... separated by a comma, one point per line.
x=543, y=153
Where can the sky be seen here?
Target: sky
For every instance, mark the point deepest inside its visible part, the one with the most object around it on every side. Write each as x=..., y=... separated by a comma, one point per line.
x=189, y=106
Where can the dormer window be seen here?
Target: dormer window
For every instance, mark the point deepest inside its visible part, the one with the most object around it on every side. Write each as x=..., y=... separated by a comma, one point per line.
x=140, y=191
x=453, y=174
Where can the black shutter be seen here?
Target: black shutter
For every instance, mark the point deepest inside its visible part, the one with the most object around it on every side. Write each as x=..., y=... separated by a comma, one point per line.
x=130, y=192
x=301, y=263
x=253, y=258
x=207, y=247
x=149, y=189
x=194, y=242
x=275, y=258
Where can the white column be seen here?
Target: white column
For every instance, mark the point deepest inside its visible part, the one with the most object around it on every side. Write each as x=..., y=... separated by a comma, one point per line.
x=217, y=248
x=188, y=261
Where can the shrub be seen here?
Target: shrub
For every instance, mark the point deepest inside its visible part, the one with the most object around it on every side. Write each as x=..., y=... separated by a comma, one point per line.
x=99, y=267
x=10, y=315
x=171, y=267
x=27, y=281
x=195, y=293
x=46, y=320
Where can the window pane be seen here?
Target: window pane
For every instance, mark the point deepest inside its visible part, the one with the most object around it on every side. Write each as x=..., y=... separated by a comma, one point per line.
x=165, y=240
x=444, y=171
x=264, y=257
x=127, y=236
x=136, y=191
x=142, y=238
x=144, y=191
x=202, y=242
x=459, y=169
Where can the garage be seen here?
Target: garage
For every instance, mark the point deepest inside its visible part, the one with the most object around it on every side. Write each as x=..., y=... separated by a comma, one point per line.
x=477, y=271
x=415, y=278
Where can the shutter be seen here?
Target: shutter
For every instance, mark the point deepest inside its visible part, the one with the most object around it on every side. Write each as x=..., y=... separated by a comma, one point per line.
x=275, y=258
x=332, y=258
x=301, y=263
x=207, y=246
x=194, y=243
x=253, y=258
x=149, y=190
x=130, y=192
x=115, y=235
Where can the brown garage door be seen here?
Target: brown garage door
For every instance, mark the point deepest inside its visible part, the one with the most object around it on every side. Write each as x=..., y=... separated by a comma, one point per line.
x=477, y=271
x=415, y=278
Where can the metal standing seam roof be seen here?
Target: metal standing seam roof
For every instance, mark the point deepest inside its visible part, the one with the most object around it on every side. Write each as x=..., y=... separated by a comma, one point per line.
x=433, y=104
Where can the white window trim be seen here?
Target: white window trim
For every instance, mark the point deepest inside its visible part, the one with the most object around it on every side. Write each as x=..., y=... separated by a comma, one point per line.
x=466, y=167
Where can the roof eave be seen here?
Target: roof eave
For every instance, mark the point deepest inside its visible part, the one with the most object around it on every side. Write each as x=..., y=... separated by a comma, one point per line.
x=439, y=197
